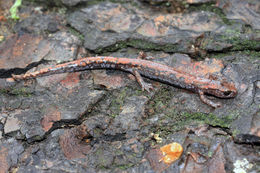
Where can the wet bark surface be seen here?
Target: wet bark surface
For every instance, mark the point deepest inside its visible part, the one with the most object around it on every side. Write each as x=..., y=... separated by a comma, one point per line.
x=101, y=120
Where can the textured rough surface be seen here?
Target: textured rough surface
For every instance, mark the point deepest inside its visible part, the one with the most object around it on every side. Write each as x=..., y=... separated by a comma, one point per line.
x=11, y=125
x=72, y=2
x=247, y=11
x=101, y=121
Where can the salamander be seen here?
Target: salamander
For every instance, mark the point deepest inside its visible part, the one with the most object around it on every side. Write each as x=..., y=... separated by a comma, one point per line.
x=218, y=87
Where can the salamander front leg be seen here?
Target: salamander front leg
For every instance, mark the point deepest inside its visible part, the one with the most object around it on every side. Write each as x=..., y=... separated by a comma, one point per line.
x=204, y=99
x=145, y=86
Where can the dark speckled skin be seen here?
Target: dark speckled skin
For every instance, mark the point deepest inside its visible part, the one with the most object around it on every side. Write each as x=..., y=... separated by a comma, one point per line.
x=218, y=87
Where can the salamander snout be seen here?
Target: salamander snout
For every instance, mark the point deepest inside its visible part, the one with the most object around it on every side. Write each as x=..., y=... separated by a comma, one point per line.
x=223, y=92
x=227, y=93
x=228, y=89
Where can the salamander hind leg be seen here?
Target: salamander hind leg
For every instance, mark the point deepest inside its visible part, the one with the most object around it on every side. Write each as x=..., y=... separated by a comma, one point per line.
x=145, y=86
x=204, y=99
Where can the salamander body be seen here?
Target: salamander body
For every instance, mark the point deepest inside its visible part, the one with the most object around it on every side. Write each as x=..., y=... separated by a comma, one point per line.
x=219, y=87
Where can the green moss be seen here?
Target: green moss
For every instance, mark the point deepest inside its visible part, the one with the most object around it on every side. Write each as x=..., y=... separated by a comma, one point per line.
x=160, y=101
x=62, y=10
x=210, y=119
x=140, y=44
x=118, y=102
x=235, y=132
x=240, y=44
x=102, y=167
x=76, y=33
x=17, y=91
x=119, y=152
x=126, y=166
x=21, y=92
x=178, y=121
x=146, y=45
x=3, y=91
x=211, y=7
x=35, y=139
x=210, y=154
x=251, y=54
x=14, y=10
x=119, y=97
x=238, y=41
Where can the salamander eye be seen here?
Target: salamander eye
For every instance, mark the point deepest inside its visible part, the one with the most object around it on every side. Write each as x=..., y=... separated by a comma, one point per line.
x=227, y=93
x=224, y=83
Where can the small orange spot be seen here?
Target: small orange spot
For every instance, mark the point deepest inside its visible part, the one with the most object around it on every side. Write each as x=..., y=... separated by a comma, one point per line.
x=87, y=140
x=10, y=80
x=171, y=152
x=2, y=18
x=159, y=19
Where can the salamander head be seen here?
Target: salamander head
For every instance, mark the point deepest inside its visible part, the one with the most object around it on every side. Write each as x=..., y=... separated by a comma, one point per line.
x=222, y=89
